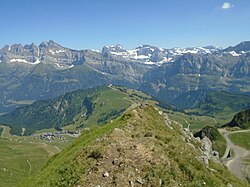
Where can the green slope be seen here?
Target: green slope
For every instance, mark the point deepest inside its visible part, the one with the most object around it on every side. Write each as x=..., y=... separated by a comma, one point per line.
x=81, y=108
x=212, y=103
x=241, y=120
x=135, y=148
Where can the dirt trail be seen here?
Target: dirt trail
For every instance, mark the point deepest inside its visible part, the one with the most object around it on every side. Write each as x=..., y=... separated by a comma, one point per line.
x=3, y=131
x=235, y=164
x=29, y=166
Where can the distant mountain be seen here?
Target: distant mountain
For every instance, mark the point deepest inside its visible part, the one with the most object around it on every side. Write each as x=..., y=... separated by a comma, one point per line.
x=243, y=47
x=193, y=72
x=31, y=72
x=241, y=120
x=152, y=55
x=46, y=52
x=137, y=149
x=82, y=107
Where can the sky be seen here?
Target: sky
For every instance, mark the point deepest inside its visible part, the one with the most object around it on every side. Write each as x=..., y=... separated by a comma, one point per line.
x=91, y=24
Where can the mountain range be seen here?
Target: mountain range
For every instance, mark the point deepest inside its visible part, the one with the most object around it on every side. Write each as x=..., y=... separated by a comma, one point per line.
x=31, y=72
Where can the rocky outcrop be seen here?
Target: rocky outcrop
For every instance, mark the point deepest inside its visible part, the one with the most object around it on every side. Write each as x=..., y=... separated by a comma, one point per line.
x=208, y=152
x=205, y=132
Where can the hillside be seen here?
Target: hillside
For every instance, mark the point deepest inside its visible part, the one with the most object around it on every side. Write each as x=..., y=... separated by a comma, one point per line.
x=241, y=120
x=80, y=108
x=137, y=149
x=212, y=103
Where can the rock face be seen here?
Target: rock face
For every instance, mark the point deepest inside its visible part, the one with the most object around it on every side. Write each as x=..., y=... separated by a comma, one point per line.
x=205, y=132
x=207, y=136
x=47, y=52
x=209, y=153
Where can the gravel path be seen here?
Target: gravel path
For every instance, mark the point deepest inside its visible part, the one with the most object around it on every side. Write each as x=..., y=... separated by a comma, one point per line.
x=235, y=164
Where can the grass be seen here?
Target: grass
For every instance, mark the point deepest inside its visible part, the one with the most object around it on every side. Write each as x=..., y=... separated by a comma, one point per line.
x=18, y=153
x=220, y=143
x=19, y=160
x=196, y=122
x=241, y=139
x=199, y=122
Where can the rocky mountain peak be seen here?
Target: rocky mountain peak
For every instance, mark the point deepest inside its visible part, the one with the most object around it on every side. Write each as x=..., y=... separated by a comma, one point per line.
x=113, y=49
x=242, y=47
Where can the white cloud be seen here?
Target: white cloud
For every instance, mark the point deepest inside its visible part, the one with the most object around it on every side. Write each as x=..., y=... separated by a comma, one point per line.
x=226, y=6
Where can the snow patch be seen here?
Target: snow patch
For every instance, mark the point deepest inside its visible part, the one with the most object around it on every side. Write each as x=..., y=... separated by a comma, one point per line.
x=233, y=53
x=19, y=60
x=58, y=65
x=94, y=50
x=60, y=51
x=149, y=62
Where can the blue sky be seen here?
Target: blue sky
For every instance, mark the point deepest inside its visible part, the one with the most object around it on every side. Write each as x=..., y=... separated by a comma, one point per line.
x=82, y=24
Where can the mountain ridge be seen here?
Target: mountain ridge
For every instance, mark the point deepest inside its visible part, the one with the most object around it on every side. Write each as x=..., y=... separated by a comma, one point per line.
x=31, y=72
x=81, y=108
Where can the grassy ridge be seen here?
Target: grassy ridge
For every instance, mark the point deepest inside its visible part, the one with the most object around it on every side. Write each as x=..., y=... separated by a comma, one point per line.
x=144, y=146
